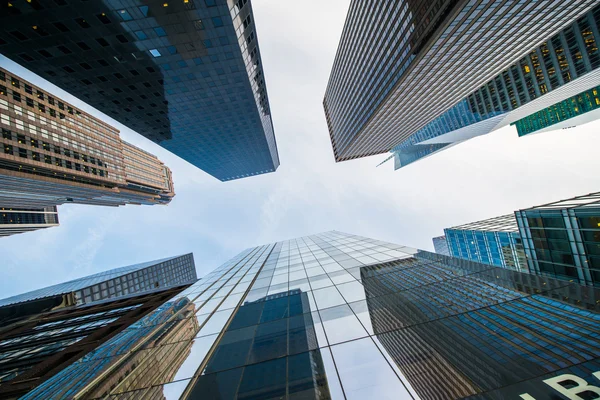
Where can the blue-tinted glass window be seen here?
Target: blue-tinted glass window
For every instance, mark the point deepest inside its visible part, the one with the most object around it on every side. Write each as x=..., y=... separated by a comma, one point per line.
x=141, y=35
x=217, y=21
x=264, y=381
x=207, y=43
x=172, y=49
x=210, y=3
x=155, y=53
x=125, y=15
x=160, y=31
x=144, y=10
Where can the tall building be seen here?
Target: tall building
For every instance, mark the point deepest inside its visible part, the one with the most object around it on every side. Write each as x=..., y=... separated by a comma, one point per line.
x=562, y=239
x=185, y=74
x=114, y=283
x=440, y=245
x=339, y=316
x=70, y=329
x=494, y=241
x=54, y=153
x=20, y=220
x=402, y=64
x=552, y=82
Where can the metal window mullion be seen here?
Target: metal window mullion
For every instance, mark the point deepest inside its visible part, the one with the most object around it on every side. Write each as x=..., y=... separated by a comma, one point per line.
x=581, y=45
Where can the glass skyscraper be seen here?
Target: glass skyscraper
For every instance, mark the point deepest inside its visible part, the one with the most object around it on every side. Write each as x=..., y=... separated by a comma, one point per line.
x=553, y=82
x=74, y=327
x=441, y=245
x=494, y=241
x=116, y=282
x=402, y=64
x=562, y=239
x=185, y=74
x=339, y=316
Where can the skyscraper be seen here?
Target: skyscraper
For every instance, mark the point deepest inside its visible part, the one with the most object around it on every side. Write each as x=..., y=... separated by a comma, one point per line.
x=562, y=239
x=186, y=74
x=401, y=65
x=558, y=75
x=69, y=330
x=440, y=245
x=341, y=316
x=114, y=283
x=494, y=241
x=54, y=153
x=20, y=220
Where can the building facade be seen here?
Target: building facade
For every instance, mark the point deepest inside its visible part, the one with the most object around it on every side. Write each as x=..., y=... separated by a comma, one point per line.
x=339, y=316
x=562, y=114
x=400, y=65
x=54, y=153
x=562, y=239
x=21, y=220
x=187, y=75
x=440, y=245
x=115, y=283
x=553, y=82
x=494, y=241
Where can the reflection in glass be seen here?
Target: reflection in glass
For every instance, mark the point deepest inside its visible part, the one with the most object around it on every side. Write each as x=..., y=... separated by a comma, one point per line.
x=268, y=350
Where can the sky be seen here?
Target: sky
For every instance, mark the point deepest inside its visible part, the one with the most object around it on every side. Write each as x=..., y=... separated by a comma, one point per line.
x=309, y=193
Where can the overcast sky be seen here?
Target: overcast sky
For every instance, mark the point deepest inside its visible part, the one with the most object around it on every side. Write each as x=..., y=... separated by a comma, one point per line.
x=310, y=193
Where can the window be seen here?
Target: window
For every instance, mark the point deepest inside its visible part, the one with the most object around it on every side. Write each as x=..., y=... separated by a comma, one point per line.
x=82, y=23
x=103, y=18
x=144, y=10
x=85, y=66
x=45, y=53
x=217, y=22
x=61, y=27
x=160, y=31
x=64, y=50
x=198, y=24
x=155, y=53
x=141, y=35
x=125, y=15
x=122, y=39
x=19, y=35
x=102, y=42
x=83, y=46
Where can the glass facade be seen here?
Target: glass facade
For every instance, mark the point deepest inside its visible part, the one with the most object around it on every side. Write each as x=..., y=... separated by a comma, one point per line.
x=494, y=241
x=441, y=245
x=563, y=111
x=21, y=220
x=339, y=316
x=573, y=51
x=118, y=282
x=402, y=64
x=562, y=239
x=47, y=341
x=185, y=74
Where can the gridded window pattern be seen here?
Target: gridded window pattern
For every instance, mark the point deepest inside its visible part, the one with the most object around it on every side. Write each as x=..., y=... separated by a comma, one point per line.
x=338, y=316
x=525, y=80
x=562, y=239
x=20, y=220
x=385, y=85
x=493, y=241
x=572, y=107
x=75, y=157
x=440, y=245
x=118, y=282
x=185, y=74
